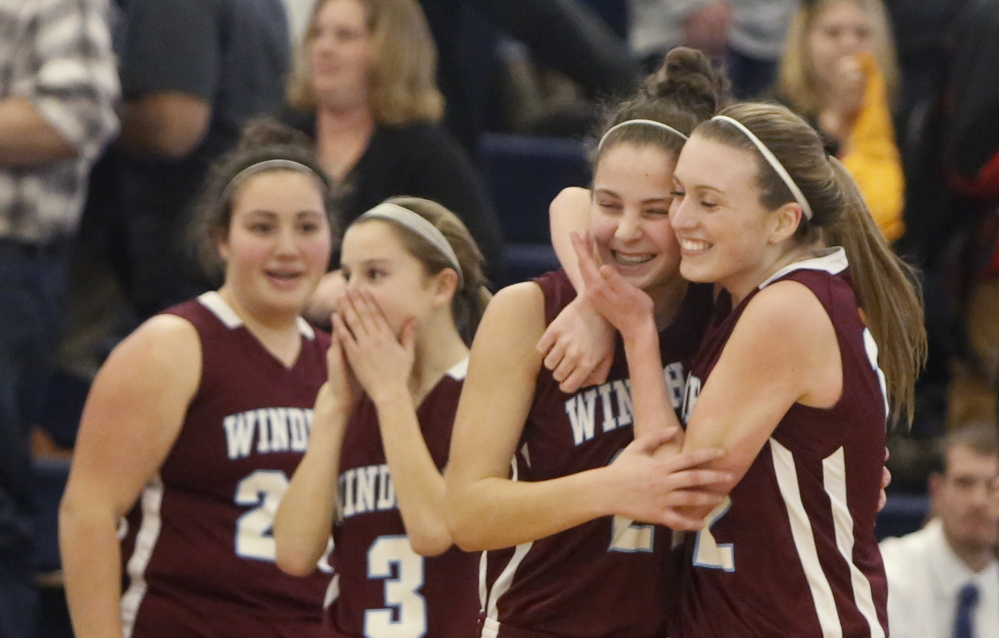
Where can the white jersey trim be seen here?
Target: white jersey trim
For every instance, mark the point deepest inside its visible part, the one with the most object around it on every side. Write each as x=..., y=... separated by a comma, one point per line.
x=214, y=302
x=490, y=599
x=834, y=480
x=831, y=260
x=459, y=370
x=804, y=541
x=145, y=543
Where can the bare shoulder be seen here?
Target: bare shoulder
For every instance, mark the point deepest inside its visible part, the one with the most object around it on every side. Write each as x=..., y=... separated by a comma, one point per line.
x=515, y=309
x=785, y=311
x=164, y=349
x=786, y=336
x=136, y=406
x=571, y=198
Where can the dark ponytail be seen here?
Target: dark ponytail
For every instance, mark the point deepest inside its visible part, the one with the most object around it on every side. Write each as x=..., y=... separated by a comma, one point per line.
x=261, y=140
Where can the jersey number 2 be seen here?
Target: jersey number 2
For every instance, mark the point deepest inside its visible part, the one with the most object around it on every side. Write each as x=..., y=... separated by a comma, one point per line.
x=707, y=551
x=254, y=539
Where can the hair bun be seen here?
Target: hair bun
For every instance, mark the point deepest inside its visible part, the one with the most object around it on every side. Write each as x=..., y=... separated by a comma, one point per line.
x=688, y=76
x=262, y=132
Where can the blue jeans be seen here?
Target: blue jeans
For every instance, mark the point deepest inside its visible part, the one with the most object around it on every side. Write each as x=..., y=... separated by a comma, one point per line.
x=31, y=295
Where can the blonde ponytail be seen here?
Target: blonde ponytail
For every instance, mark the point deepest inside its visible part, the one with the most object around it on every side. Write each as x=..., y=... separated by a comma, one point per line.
x=889, y=292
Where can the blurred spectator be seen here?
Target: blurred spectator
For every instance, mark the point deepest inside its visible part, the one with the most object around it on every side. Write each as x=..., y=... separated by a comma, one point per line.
x=192, y=73
x=747, y=34
x=563, y=35
x=945, y=577
x=951, y=146
x=364, y=89
x=839, y=70
x=57, y=95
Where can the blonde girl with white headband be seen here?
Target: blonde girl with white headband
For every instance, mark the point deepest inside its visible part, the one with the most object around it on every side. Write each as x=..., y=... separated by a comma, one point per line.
x=196, y=422
x=572, y=531
x=382, y=429
x=813, y=350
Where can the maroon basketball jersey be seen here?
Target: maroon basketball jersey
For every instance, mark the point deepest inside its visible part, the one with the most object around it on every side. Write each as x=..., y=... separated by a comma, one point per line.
x=386, y=590
x=198, y=553
x=609, y=576
x=792, y=552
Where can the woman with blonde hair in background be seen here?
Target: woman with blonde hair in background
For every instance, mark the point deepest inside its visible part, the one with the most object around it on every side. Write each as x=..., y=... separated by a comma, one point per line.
x=363, y=87
x=839, y=71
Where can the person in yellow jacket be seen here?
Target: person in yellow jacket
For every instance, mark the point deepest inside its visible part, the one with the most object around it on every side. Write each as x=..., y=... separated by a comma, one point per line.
x=839, y=70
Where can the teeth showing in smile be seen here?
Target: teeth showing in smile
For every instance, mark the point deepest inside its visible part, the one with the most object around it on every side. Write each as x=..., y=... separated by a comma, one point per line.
x=693, y=244
x=626, y=259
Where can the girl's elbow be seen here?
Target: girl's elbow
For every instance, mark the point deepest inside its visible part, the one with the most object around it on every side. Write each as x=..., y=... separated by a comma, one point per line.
x=295, y=563
x=465, y=534
x=431, y=544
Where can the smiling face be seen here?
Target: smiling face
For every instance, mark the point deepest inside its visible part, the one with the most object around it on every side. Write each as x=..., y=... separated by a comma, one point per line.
x=629, y=220
x=373, y=258
x=278, y=243
x=725, y=233
x=340, y=53
x=841, y=29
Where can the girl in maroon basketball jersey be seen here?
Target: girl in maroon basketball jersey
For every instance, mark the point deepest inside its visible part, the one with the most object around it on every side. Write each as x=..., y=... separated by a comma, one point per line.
x=788, y=378
x=197, y=420
x=565, y=555
x=382, y=429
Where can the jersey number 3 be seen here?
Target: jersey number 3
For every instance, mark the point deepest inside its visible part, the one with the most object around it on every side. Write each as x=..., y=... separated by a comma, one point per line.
x=390, y=558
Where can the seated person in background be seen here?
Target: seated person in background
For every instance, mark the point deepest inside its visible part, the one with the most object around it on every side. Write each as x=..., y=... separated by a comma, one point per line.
x=944, y=579
x=363, y=88
x=747, y=35
x=840, y=72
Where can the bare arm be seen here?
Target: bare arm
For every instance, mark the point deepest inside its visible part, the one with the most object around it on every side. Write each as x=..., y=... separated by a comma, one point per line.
x=782, y=351
x=304, y=519
x=66, y=109
x=129, y=425
x=486, y=509
x=578, y=344
x=27, y=138
x=324, y=300
x=569, y=213
x=164, y=125
x=630, y=311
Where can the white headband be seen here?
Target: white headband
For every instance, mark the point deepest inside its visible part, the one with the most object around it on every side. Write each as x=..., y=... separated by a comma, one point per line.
x=269, y=165
x=654, y=123
x=774, y=163
x=419, y=225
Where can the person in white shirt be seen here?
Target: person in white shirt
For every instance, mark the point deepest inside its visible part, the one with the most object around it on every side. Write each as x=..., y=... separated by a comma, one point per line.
x=943, y=581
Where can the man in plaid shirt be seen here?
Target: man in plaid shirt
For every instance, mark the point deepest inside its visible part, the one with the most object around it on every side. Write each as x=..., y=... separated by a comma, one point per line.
x=58, y=90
